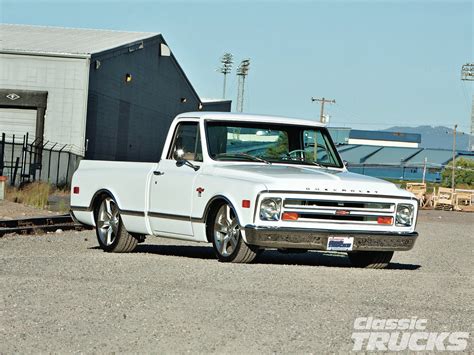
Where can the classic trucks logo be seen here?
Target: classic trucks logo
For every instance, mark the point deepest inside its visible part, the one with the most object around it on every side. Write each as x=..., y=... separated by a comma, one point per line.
x=410, y=334
x=12, y=96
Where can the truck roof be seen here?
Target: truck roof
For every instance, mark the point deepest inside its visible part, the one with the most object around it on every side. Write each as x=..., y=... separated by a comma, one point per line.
x=245, y=117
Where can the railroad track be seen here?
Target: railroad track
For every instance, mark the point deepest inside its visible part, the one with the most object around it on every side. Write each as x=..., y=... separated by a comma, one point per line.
x=38, y=225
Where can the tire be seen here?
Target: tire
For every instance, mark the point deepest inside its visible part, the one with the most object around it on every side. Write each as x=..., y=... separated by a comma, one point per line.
x=224, y=231
x=370, y=259
x=111, y=233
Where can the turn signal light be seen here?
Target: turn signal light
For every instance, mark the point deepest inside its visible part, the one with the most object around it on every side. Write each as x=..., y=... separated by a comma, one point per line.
x=384, y=220
x=290, y=216
x=245, y=203
x=75, y=190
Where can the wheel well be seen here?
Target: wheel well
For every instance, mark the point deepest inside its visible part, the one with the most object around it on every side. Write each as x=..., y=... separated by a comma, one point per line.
x=210, y=213
x=97, y=199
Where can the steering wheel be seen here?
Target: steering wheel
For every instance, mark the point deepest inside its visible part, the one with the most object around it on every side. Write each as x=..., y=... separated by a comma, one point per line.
x=301, y=157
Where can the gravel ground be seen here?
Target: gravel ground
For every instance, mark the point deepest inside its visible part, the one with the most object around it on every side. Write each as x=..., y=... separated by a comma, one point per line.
x=59, y=293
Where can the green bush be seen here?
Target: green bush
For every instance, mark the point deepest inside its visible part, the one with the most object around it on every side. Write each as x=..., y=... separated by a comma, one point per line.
x=464, y=175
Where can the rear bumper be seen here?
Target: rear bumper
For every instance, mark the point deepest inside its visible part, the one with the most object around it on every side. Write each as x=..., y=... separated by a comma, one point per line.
x=317, y=239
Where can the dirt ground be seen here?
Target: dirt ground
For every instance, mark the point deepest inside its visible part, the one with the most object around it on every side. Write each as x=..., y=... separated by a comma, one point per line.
x=10, y=210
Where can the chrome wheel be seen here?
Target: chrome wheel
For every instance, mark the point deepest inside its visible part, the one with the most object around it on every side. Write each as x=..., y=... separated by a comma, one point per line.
x=226, y=231
x=108, y=221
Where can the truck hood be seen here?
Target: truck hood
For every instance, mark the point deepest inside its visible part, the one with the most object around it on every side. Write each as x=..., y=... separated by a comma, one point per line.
x=306, y=178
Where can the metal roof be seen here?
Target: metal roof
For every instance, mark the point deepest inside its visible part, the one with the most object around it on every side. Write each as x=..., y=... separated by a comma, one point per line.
x=433, y=156
x=357, y=153
x=369, y=154
x=208, y=100
x=25, y=39
x=385, y=136
x=391, y=155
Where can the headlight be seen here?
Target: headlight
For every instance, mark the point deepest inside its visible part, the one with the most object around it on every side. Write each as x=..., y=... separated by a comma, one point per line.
x=404, y=215
x=270, y=209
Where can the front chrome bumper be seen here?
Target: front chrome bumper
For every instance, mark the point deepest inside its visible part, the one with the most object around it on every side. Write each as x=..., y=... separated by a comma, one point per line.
x=317, y=239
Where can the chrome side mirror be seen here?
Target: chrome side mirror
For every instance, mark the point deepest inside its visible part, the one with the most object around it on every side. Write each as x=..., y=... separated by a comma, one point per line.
x=178, y=155
x=346, y=163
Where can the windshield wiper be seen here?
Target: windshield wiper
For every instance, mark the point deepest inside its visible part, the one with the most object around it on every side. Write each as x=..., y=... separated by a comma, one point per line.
x=243, y=155
x=314, y=163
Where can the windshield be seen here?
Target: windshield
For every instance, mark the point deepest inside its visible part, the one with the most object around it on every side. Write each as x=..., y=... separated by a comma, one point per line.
x=271, y=143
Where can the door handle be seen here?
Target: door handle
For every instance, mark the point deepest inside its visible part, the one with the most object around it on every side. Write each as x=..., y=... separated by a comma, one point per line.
x=158, y=173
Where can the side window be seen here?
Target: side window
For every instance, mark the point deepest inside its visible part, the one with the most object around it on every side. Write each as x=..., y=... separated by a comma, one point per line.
x=188, y=139
x=317, y=148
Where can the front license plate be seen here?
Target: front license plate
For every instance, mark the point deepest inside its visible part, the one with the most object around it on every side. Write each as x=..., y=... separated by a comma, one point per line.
x=340, y=243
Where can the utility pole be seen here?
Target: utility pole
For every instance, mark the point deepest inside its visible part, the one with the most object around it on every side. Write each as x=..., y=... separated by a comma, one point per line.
x=454, y=156
x=323, y=101
x=242, y=72
x=467, y=74
x=226, y=67
x=424, y=169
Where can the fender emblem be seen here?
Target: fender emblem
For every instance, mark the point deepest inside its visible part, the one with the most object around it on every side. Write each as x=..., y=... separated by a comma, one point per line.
x=200, y=190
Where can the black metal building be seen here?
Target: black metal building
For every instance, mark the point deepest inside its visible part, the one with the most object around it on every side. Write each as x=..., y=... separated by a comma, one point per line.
x=135, y=91
x=108, y=95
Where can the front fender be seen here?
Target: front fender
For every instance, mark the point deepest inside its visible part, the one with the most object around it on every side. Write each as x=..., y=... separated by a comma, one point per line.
x=233, y=192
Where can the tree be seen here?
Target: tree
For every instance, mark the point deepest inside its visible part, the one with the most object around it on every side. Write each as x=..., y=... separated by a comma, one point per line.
x=280, y=148
x=464, y=175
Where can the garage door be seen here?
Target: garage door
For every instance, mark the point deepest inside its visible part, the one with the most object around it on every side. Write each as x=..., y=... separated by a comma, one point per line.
x=17, y=122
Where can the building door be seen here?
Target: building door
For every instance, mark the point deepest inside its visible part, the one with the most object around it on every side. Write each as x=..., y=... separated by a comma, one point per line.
x=18, y=122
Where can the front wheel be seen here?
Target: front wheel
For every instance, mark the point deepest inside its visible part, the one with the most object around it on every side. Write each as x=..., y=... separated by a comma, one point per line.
x=227, y=237
x=370, y=259
x=111, y=233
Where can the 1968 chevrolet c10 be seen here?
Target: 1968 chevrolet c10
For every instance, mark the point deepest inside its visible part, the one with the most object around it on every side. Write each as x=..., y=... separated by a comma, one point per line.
x=245, y=183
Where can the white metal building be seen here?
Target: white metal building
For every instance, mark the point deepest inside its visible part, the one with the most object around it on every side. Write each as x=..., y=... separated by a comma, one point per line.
x=53, y=61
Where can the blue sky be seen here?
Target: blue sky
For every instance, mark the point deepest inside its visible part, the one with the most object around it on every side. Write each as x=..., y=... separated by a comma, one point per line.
x=385, y=62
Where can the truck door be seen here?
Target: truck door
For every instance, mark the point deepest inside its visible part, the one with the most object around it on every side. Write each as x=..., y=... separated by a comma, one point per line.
x=171, y=188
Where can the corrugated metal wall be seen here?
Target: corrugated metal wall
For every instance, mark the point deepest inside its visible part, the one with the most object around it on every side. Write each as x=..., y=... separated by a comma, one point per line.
x=65, y=81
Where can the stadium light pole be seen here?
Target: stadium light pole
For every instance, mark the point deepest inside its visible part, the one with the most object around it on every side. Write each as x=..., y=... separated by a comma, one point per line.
x=226, y=67
x=242, y=72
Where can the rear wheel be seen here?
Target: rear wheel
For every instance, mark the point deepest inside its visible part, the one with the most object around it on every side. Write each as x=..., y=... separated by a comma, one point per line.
x=227, y=237
x=111, y=233
x=370, y=259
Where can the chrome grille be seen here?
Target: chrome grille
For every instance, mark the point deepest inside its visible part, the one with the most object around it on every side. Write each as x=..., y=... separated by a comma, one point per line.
x=337, y=211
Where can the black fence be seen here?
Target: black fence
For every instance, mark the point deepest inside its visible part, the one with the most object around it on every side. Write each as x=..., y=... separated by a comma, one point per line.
x=24, y=160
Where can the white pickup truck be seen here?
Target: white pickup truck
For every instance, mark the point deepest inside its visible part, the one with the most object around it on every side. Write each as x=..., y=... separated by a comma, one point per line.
x=246, y=183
